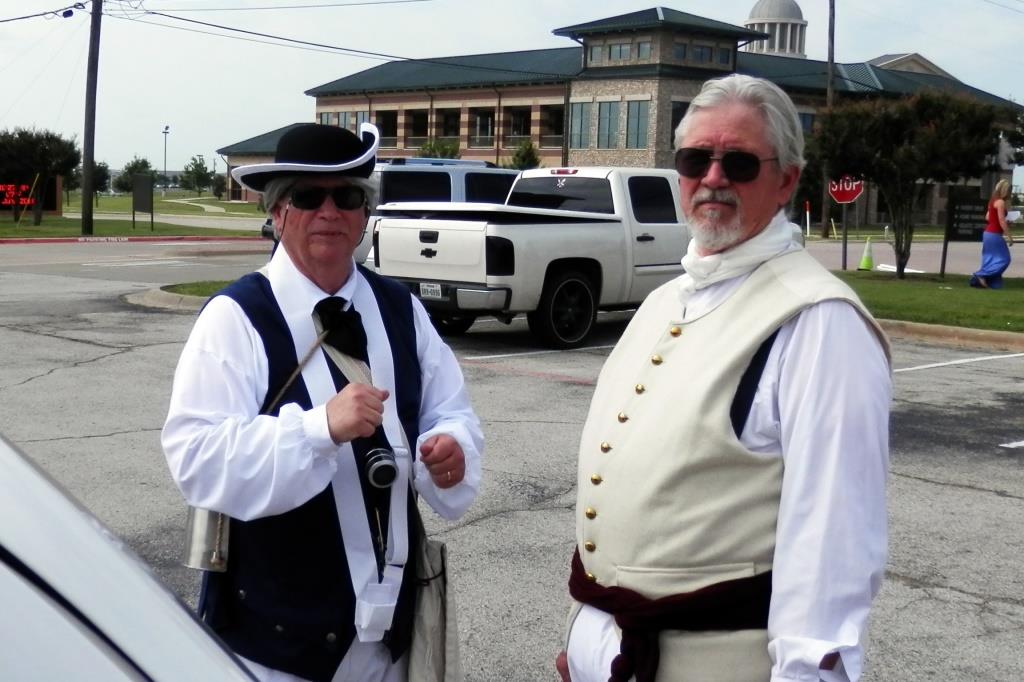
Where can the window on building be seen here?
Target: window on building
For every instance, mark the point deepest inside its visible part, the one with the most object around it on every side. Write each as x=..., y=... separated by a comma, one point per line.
x=481, y=123
x=678, y=111
x=579, y=125
x=607, y=125
x=618, y=51
x=362, y=117
x=552, y=125
x=643, y=49
x=702, y=54
x=724, y=55
x=636, y=124
x=595, y=53
x=652, y=200
x=679, y=51
x=345, y=119
x=325, y=118
x=387, y=123
x=448, y=122
x=806, y=122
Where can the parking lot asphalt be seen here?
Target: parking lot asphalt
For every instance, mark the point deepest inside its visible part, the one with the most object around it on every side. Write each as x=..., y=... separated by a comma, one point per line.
x=86, y=379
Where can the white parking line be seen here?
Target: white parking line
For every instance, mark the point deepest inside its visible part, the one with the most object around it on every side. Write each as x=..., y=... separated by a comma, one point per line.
x=965, y=361
x=535, y=352
x=1018, y=444
x=135, y=263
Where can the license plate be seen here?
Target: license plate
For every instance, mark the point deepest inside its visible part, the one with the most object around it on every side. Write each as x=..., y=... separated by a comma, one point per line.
x=430, y=290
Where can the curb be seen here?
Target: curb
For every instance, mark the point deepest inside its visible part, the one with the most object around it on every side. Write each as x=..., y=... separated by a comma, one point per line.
x=958, y=337
x=165, y=300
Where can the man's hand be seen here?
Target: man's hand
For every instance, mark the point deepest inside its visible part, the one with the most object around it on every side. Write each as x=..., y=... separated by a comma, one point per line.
x=355, y=412
x=443, y=457
x=562, y=666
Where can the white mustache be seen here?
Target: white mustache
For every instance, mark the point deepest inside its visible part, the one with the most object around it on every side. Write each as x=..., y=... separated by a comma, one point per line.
x=720, y=196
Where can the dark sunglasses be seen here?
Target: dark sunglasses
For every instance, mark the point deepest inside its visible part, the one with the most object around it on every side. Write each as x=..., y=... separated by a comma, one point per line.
x=693, y=162
x=346, y=197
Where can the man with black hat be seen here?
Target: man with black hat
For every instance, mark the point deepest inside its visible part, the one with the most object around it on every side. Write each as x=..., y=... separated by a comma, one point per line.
x=264, y=427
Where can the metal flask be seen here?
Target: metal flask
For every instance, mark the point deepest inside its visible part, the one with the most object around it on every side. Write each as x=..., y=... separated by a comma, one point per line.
x=206, y=540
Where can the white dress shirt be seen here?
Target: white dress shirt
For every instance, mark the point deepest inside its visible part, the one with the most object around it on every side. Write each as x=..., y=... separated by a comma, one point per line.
x=227, y=457
x=822, y=404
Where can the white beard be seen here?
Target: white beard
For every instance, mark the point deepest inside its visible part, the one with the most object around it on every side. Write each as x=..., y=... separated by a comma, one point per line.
x=708, y=230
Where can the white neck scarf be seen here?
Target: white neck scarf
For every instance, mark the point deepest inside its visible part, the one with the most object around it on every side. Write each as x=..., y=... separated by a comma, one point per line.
x=703, y=271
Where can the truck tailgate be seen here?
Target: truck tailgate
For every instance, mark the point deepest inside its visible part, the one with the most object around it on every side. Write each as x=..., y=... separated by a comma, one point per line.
x=450, y=250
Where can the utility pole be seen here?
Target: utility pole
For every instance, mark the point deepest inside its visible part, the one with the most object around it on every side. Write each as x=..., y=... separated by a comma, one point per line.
x=828, y=111
x=89, y=137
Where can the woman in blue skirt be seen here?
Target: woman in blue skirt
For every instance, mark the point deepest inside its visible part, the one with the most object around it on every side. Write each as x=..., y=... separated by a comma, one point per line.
x=995, y=241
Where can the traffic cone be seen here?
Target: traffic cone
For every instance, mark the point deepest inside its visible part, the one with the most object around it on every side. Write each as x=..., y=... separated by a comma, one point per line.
x=866, y=261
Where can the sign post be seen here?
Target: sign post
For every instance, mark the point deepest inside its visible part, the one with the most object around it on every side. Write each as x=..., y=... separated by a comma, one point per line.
x=966, y=217
x=845, y=191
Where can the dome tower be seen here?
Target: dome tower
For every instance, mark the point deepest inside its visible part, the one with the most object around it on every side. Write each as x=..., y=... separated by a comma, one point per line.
x=783, y=21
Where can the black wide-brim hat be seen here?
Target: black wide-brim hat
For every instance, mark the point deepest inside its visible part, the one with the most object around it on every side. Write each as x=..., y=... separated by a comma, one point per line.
x=315, y=149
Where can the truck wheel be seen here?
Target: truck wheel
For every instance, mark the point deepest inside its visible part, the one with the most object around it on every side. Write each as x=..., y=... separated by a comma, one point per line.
x=452, y=325
x=567, y=311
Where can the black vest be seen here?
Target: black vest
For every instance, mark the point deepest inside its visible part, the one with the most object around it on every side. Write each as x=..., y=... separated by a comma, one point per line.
x=286, y=600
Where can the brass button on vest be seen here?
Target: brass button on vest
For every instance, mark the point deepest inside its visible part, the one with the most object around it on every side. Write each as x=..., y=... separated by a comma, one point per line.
x=606, y=446
x=331, y=638
x=640, y=388
x=589, y=546
x=591, y=578
x=623, y=417
x=656, y=359
x=596, y=479
x=590, y=512
x=675, y=331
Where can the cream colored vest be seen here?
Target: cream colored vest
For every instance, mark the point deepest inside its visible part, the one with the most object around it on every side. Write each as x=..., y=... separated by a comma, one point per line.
x=669, y=501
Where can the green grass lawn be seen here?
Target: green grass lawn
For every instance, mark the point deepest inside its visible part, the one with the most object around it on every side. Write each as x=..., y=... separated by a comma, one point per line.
x=72, y=227
x=918, y=298
x=122, y=203
x=945, y=300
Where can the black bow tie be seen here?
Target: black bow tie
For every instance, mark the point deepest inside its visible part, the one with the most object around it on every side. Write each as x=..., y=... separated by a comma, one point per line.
x=344, y=327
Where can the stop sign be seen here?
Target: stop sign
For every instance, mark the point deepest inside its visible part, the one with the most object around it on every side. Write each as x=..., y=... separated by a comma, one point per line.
x=845, y=190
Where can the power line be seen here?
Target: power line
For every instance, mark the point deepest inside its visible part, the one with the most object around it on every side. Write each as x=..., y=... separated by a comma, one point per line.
x=222, y=35
x=993, y=2
x=276, y=7
x=349, y=50
x=63, y=12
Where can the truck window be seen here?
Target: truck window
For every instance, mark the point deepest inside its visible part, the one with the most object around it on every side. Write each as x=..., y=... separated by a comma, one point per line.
x=652, y=200
x=488, y=187
x=415, y=186
x=573, y=194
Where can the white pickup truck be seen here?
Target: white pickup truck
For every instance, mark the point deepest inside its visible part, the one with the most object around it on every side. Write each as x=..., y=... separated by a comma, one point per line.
x=566, y=243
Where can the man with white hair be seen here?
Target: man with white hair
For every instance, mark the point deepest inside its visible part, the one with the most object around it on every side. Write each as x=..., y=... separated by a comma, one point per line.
x=731, y=520
x=308, y=462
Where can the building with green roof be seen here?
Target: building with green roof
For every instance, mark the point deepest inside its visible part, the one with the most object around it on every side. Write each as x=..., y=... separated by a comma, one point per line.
x=614, y=98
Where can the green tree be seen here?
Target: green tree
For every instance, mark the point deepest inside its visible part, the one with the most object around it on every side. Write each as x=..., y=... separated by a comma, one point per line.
x=905, y=145
x=525, y=156
x=36, y=157
x=100, y=180
x=196, y=175
x=137, y=166
x=220, y=185
x=439, y=149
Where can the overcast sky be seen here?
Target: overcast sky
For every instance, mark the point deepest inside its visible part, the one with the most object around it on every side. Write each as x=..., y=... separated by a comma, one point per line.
x=213, y=90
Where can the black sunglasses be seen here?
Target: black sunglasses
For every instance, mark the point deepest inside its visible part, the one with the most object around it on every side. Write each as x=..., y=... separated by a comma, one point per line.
x=346, y=197
x=693, y=162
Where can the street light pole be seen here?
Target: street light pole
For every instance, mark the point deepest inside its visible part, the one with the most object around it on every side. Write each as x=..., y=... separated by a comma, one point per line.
x=167, y=129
